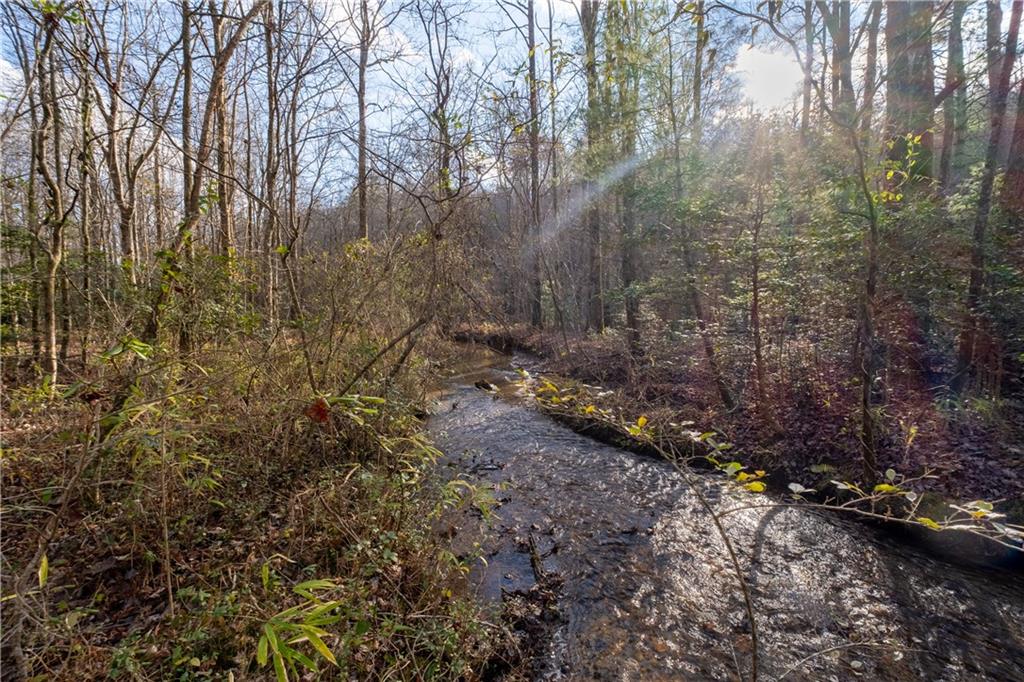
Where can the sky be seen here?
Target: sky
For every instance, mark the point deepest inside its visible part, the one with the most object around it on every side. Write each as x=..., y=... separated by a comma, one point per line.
x=769, y=79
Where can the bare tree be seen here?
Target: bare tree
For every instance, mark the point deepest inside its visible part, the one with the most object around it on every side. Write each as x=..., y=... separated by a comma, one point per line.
x=589, y=16
x=125, y=147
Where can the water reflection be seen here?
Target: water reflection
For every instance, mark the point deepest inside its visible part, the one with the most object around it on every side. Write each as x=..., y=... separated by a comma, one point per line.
x=648, y=592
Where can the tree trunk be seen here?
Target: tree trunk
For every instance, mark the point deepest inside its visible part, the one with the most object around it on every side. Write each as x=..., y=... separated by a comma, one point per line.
x=65, y=317
x=837, y=21
x=552, y=101
x=993, y=45
x=965, y=355
x=627, y=78
x=697, y=117
x=910, y=99
x=536, y=242
x=953, y=108
x=805, y=112
x=226, y=241
x=689, y=238
x=865, y=343
x=50, y=128
x=188, y=245
x=270, y=171
x=588, y=21
x=761, y=388
x=1013, y=182
x=158, y=193
x=186, y=110
x=85, y=191
x=364, y=53
x=871, y=69
x=32, y=217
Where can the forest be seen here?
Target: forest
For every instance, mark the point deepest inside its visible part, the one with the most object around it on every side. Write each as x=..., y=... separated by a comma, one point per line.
x=512, y=340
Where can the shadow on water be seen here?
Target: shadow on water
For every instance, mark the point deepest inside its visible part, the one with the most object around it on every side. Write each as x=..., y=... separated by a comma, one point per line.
x=973, y=640
x=647, y=590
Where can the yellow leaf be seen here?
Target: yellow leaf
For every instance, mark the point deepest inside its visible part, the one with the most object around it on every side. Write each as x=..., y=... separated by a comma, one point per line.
x=925, y=521
x=44, y=571
x=755, y=487
x=590, y=409
x=641, y=422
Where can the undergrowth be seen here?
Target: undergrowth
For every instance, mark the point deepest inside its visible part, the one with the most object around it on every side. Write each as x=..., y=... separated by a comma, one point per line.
x=227, y=521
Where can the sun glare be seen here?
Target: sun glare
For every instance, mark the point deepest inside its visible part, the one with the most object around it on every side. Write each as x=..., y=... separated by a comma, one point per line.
x=769, y=79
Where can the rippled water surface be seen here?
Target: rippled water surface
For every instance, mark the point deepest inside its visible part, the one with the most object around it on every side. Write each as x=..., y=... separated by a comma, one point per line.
x=648, y=591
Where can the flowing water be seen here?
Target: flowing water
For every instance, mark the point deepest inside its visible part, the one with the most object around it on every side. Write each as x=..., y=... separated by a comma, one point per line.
x=648, y=591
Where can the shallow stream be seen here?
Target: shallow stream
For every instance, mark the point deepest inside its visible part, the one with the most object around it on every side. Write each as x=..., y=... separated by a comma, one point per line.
x=648, y=591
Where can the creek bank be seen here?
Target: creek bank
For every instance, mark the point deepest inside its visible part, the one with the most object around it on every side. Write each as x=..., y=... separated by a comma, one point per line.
x=543, y=358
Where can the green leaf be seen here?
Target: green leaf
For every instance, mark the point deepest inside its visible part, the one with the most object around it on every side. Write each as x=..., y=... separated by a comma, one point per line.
x=279, y=669
x=140, y=348
x=925, y=521
x=319, y=645
x=321, y=615
x=272, y=638
x=261, y=651
x=113, y=352
x=732, y=467
x=72, y=390
x=886, y=488
x=305, y=660
x=306, y=588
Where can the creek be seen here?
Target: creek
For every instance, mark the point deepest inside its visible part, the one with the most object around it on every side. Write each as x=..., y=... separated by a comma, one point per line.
x=648, y=592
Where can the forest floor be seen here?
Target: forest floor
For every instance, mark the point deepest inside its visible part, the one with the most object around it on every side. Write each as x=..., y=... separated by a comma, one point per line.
x=970, y=450
x=206, y=521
